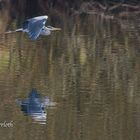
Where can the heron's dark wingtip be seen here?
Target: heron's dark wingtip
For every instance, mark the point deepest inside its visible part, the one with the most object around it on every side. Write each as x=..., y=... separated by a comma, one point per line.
x=33, y=36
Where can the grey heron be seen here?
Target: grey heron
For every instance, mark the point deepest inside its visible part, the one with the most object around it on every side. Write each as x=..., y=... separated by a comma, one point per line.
x=35, y=106
x=36, y=26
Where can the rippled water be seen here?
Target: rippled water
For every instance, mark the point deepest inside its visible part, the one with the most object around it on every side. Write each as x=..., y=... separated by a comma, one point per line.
x=90, y=69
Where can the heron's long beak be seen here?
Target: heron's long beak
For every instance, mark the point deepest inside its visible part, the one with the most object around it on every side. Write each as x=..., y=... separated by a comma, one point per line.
x=56, y=29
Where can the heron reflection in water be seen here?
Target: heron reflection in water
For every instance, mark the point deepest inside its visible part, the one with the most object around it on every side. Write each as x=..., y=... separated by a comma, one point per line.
x=35, y=27
x=34, y=106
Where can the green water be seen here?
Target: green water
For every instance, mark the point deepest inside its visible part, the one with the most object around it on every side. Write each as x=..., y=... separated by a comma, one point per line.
x=91, y=69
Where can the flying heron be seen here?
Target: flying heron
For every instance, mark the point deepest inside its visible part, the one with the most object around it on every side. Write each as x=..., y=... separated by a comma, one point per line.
x=36, y=26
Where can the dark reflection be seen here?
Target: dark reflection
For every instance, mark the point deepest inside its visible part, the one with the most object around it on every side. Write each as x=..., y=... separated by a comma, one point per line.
x=34, y=106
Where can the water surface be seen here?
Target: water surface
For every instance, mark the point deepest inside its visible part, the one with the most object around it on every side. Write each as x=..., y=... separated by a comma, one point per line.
x=90, y=68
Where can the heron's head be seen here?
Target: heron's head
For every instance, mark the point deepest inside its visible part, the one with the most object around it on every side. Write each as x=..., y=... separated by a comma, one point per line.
x=50, y=28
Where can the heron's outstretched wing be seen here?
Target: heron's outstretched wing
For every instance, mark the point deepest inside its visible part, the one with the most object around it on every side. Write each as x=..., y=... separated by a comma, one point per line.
x=34, y=29
x=39, y=18
x=35, y=25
